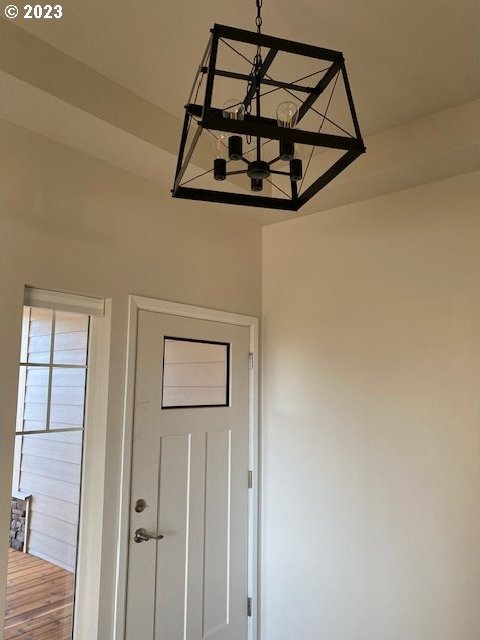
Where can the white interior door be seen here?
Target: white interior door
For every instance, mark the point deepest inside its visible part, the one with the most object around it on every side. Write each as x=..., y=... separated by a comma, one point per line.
x=190, y=467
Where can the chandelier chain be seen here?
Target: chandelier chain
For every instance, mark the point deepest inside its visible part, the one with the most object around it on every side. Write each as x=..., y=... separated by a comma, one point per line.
x=258, y=19
x=257, y=60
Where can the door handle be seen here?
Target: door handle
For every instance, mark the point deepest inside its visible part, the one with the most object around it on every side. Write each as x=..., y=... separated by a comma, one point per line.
x=141, y=535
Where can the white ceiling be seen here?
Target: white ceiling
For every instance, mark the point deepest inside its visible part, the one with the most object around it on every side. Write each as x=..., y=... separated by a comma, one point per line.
x=406, y=59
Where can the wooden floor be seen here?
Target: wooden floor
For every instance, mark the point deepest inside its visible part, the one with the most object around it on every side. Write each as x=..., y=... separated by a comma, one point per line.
x=39, y=599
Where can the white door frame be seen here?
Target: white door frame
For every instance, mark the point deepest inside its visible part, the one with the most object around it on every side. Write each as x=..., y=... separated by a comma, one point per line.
x=140, y=303
x=89, y=559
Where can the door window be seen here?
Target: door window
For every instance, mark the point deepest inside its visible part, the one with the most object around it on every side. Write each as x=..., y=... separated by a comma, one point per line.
x=195, y=373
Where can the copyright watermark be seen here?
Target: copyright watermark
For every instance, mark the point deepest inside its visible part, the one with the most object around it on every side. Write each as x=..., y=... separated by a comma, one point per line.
x=11, y=11
x=34, y=11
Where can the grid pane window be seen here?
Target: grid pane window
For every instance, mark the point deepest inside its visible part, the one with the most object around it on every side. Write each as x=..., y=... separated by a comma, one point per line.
x=67, y=398
x=33, y=398
x=52, y=396
x=39, y=335
x=46, y=482
x=71, y=337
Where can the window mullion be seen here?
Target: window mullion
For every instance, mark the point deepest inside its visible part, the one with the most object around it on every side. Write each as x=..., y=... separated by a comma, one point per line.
x=54, y=366
x=50, y=370
x=39, y=432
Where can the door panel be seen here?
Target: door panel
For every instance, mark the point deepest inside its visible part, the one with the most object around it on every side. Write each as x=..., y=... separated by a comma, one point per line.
x=190, y=466
x=217, y=531
x=174, y=509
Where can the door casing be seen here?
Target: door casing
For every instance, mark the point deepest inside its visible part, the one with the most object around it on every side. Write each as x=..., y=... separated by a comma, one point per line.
x=136, y=304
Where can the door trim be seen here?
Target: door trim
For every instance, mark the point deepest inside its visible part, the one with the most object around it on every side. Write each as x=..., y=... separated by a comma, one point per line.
x=140, y=303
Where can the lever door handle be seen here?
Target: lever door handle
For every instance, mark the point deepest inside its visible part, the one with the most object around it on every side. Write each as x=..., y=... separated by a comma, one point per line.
x=141, y=535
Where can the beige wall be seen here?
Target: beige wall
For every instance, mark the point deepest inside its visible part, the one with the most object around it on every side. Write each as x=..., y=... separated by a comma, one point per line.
x=71, y=223
x=371, y=424
x=370, y=436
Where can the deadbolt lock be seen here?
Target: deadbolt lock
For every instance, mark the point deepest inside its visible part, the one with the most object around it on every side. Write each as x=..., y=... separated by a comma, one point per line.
x=140, y=505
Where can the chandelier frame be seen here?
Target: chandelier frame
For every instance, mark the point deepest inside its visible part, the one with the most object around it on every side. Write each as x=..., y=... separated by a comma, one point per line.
x=210, y=118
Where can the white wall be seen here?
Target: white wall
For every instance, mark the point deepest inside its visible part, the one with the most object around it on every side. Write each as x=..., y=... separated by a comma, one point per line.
x=371, y=421
x=370, y=445
x=71, y=223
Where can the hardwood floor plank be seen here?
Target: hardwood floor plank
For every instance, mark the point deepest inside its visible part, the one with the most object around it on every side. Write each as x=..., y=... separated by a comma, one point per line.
x=58, y=629
x=39, y=599
x=53, y=617
x=34, y=572
x=24, y=611
x=22, y=585
x=63, y=587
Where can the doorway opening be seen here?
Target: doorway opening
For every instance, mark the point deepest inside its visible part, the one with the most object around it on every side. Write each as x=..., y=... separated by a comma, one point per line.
x=45, y=507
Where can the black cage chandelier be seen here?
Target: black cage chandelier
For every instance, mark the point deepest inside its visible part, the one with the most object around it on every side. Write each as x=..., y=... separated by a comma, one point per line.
x=259, y=160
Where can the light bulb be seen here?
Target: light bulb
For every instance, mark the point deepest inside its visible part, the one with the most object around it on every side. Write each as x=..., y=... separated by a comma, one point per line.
x=287, y=114
x=220, y=144
x=233, y=109
x=220, y=154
